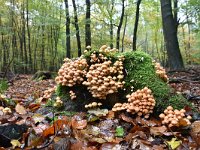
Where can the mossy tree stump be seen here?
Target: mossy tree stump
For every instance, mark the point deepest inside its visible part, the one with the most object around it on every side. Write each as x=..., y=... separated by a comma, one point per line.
x=139, y=72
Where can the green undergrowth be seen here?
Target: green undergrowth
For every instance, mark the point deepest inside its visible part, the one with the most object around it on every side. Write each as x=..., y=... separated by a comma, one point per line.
x=3, y=85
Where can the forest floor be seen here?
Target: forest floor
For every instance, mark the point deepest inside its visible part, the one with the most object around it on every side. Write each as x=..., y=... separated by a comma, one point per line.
x=89, y=132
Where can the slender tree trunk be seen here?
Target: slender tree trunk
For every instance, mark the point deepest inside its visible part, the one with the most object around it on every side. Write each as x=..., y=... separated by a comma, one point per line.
x=111, y=33
x=174, y=56
x=77, y=28
x=124, y=32
x=111, y=23
x=137, y=15
x=42, y=65
x=24, y=37
x=29, y=36
x=68, y=44
x=120, y=25
x=87, y=24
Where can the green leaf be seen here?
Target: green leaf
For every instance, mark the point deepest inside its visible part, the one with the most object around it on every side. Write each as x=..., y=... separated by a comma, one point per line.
x=119, y=131
x=174, y=143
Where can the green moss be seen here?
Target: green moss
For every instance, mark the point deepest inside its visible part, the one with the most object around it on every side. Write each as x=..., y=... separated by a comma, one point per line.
x=179, y=102
x=140, y=72
x=62, y=91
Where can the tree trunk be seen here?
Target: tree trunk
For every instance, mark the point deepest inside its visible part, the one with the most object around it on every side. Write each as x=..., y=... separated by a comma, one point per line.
x=77, y=28
x=24, y=37
x=68, y=45
x=124, y=32
x=87, y=25
x=120, y=25
x=110, y=12
x=176, y=14
x=29, y=36
x=169, y=28
x=137, y=15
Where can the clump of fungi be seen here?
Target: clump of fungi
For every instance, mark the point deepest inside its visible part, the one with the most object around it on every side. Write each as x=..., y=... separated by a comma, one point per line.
x=58, y=102
x=5, y=110
x=48, y=93
x=173, y=117
x=72, y=72
x=72, y=95
x=93, y=105
x=160, y=71
x=140, y=102
x=104, y=77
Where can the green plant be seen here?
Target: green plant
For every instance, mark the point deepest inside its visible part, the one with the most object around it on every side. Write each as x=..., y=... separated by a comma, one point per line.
x=3, y=85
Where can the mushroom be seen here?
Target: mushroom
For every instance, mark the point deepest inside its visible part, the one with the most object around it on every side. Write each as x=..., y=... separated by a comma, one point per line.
x=93, y=105
x=173, y=117
x=7, y=110
x=72, y=72
x=160, y=71
x=138, y=102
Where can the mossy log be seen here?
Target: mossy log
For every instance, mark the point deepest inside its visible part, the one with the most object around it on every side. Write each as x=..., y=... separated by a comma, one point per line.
x=42, y=75
x=139, y=72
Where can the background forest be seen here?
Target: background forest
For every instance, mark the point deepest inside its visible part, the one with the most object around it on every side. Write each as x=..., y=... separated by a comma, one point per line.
x=38, y=34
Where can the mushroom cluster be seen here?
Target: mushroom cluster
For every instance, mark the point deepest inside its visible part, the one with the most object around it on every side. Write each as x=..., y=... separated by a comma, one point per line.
x=173, y=117
x=72, y=72
x=105, y=78
x=72, y=95
x=93, y=105
x=107, y=49
x=5, y=110
x=160, y=71
x=141, y=102
x=48, y=93
x=58, y=102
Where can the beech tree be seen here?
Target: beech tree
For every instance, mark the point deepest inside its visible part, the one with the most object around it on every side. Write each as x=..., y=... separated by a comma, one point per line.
x=77, y=28
x=175, y=60
x=87, y=24
x=120, y=25
x=137, y=15
x=68, y=45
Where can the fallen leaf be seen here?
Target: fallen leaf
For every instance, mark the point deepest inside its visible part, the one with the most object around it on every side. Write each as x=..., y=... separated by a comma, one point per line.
x=126, y=118
x=78, y=122
x=107, y=146
x=195, y=131
x=111, y=114
x=157, y=147
x=57, y=125
x=20, y=109
x=38, y=118
x=158, y=130
x=98, y=112
x=82, y=146
x=15, y=143
x=174, y=143
x=40, y=128
x=34, y=106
